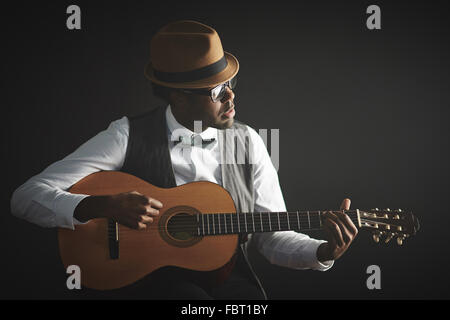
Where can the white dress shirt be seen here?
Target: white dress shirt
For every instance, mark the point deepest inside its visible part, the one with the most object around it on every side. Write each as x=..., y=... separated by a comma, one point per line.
x=45, y=201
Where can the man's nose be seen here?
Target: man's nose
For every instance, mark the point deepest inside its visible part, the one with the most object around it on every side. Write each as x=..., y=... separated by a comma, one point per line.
x=229, y=95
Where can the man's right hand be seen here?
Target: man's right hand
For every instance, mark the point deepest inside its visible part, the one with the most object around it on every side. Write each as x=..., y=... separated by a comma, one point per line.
x=133, y=209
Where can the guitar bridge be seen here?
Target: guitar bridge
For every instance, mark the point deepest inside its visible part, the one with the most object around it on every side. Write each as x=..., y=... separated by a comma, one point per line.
x=113, y=239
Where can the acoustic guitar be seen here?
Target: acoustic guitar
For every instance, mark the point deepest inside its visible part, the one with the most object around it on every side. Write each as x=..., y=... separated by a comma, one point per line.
x=197, y=229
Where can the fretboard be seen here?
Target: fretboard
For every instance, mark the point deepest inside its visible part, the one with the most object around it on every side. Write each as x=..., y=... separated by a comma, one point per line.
x=235, y=223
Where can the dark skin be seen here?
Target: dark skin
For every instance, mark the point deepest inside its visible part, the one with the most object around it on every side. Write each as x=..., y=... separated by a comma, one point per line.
x=137, y=211
x=188, y=108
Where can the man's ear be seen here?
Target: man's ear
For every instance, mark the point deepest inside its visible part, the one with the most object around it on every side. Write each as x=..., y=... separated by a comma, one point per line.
x=177, y=97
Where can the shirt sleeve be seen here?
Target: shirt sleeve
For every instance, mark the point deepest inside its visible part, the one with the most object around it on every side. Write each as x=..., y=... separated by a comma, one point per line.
x=44, y=199
x=285, y=248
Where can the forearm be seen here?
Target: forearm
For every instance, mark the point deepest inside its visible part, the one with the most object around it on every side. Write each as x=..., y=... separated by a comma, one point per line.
x=291, y=249
x=46, y=206
x=44, y=199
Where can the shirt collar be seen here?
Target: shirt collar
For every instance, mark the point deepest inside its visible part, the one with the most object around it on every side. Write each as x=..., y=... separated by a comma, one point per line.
x=176, y=129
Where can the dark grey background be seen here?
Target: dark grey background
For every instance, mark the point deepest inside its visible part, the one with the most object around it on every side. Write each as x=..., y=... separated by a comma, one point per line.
x=362, y=114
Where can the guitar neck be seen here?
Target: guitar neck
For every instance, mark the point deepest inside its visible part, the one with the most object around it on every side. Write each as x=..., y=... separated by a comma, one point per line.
x=234, y=223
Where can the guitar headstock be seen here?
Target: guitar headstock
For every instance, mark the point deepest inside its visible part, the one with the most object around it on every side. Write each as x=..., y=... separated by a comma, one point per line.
x=389, y=224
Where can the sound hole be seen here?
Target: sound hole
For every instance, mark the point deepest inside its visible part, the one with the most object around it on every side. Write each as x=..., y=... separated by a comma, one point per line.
x=182, y=226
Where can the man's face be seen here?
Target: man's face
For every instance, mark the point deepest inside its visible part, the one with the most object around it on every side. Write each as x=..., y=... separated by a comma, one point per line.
x=218, y=114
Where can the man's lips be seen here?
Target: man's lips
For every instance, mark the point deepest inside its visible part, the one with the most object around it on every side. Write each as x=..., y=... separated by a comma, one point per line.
x=229, y=109
x=230, y=113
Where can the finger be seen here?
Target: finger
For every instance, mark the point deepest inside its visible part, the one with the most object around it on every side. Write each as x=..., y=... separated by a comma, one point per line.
x=151, y=211
x=329, y=234
x=335, y=232
x=146, y=219
x=345, y=205
x=346, y=234
x=348, y=223
x=155, y=203
x=140, y=198
x=141, y=226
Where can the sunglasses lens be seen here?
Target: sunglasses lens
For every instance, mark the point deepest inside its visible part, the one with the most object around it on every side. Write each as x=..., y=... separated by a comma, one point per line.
x=218, y=92
x=233, y=82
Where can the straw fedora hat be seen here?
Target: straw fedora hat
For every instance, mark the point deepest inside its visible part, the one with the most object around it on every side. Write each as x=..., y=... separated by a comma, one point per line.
x=188, y=54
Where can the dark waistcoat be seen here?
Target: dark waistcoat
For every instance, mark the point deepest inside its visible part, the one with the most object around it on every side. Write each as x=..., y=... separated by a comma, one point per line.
x=148, y=157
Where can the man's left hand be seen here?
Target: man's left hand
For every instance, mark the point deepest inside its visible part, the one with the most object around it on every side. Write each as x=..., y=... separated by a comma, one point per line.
x=340, y=232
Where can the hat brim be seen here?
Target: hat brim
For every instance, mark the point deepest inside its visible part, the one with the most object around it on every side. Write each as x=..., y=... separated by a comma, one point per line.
x=226, y=74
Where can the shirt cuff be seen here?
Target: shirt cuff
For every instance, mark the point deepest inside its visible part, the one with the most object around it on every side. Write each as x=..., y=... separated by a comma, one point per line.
x=316, y=264
x=64, y=208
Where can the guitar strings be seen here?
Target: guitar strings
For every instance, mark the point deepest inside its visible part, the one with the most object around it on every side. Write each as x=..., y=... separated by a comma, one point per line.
x=188, y=221
x=249, y=220
x=193, y=228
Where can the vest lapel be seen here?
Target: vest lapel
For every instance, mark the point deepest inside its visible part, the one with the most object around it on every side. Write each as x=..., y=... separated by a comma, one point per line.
x=148, y=155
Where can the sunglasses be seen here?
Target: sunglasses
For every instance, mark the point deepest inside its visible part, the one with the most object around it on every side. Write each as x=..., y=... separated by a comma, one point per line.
x=217, y=93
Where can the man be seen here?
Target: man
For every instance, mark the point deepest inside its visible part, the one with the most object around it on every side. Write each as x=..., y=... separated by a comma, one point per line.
x=189, y=69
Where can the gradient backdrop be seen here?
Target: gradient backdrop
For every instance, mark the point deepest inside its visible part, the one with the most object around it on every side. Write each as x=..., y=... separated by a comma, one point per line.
x=362, y=114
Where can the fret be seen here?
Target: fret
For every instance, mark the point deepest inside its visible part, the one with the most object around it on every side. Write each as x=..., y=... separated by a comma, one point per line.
x=260, y=216
x=253, y=219
x=231, y=220
x=198, y=225
x=239, y=224
x=298, y=222
x=320, y=219
x=288, y=222
x=203, y=223
x=279, y=225
x=225, y=222
x=309, y=220
x=270, y=223
x=245, y=221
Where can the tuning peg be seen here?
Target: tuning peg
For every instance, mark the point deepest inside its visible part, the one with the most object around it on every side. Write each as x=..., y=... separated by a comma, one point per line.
x=399, y=210
x=396, y=216
x=376, y=237
x=389, y=237
x=400, y=240
x=387, y=209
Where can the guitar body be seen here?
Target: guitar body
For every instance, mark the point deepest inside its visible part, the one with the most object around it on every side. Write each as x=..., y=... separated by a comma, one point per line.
x=142, y=252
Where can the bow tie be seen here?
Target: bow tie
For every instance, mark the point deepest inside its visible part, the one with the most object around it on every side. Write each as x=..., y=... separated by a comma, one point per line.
x=192, y=140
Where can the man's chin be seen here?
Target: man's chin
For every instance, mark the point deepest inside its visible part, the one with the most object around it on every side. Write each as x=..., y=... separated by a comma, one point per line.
x=225, y=124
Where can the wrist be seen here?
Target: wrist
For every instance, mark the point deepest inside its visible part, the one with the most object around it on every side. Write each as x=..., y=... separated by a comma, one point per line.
x=323, y=253
x=92, y=207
